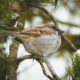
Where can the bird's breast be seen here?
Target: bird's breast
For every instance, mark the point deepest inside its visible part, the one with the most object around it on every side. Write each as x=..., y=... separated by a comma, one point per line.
x=43, y=44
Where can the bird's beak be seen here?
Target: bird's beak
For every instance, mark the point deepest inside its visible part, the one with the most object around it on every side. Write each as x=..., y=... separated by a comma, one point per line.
x=60, y=31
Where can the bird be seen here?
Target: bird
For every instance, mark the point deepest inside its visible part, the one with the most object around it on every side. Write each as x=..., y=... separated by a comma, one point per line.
x=41, y=40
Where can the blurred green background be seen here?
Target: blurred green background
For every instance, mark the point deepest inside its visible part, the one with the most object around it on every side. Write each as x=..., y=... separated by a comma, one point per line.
x=66, y=12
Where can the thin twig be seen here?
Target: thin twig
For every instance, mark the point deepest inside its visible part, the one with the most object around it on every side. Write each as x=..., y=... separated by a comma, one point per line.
x=44, y=71
x=70, y=43
x=46, y=12
x=38, y=58
x=68, y=23
x=23, y=58
x=50, y=68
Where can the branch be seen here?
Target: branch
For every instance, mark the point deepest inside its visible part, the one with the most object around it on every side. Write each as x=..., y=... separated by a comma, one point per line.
x=3, y=70
x=70, y=43
x=43, y=69
x=50, y=68
x=12, y=64
x=68, y=23
x=23, y=58
x=46, y=12
x=43, y=59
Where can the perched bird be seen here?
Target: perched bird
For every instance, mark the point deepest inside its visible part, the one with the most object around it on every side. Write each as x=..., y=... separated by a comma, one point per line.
x=40, y=40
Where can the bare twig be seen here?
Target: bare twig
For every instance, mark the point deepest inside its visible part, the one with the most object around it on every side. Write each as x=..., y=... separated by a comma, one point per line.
x=70, y=43
x=39, y=60
x=68, y=23
x=44, y=71
x=50, y=68
x=46, y=12
x=24, y=57
x=43, y=59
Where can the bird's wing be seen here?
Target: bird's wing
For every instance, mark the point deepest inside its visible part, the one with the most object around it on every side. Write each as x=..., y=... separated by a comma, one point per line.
x=37, y=32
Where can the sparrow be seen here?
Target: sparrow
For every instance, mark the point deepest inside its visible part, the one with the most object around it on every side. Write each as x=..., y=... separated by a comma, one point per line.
x=40, y=40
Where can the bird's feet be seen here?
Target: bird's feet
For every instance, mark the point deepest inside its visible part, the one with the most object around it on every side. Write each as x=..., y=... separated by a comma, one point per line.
x=37, y=57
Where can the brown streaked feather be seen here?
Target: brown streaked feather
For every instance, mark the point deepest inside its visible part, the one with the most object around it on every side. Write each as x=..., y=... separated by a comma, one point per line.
x=38, y=31
x=22, y=38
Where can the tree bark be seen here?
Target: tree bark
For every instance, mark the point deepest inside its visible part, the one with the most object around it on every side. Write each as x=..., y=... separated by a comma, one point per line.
x=12, y=64
x=11, y=70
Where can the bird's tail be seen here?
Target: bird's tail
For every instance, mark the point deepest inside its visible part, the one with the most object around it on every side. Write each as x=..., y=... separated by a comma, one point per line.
x=16, y=35
x=12, y=33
